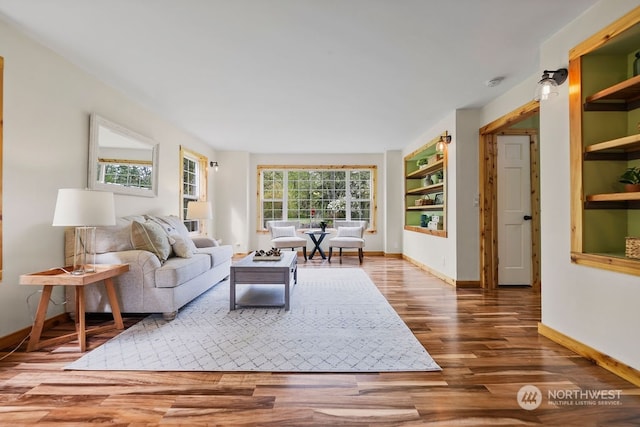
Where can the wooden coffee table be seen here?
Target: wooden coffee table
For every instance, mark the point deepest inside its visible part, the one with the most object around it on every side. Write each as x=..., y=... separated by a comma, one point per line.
x=250, y=272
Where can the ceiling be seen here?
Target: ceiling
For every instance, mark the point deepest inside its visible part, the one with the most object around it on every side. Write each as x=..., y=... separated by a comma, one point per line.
x=301, y=76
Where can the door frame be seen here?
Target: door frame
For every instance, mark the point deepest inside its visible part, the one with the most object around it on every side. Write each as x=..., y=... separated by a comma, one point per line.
x=488, y=158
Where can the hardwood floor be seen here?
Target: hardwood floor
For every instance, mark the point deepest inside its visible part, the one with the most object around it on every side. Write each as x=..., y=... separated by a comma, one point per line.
x=486, y=342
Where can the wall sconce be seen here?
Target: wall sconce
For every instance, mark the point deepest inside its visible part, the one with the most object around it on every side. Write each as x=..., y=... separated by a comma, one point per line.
x=548, y=85
x=214, y=165
x=444, y=139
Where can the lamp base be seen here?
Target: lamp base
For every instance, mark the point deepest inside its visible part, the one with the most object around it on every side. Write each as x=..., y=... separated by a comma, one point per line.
x=84, y=248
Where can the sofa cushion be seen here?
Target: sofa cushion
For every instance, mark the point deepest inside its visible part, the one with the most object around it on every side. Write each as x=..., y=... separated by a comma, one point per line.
x=177, y=271
x=149, y=236
x=218, y=254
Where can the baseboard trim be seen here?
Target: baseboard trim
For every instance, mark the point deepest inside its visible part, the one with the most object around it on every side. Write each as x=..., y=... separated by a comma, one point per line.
x=14, y=339
x=393, y=255
x=453, y=282
x=607, y=362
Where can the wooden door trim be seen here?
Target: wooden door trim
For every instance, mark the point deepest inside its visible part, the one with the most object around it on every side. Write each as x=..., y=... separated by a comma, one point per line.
x=488, y=195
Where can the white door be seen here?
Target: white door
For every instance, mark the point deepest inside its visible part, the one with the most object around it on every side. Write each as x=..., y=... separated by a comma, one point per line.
x=514, y=210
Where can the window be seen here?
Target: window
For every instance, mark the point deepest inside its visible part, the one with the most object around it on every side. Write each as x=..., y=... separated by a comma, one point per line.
x=194, y=184
x=316, y=193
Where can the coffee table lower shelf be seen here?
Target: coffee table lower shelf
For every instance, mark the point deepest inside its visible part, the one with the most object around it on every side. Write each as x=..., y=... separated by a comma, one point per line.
x=250, y=272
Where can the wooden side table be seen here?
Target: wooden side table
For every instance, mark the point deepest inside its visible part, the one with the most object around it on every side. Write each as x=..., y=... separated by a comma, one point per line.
x=57, y=276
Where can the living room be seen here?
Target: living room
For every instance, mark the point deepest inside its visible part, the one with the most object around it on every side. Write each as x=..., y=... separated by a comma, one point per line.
x=47, y=102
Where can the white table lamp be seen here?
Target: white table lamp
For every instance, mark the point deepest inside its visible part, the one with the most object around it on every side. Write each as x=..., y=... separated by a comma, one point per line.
x=199, y=210
x=84, y=209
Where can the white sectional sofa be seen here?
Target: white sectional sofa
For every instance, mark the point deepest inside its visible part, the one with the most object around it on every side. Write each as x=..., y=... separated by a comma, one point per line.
x=153, y=284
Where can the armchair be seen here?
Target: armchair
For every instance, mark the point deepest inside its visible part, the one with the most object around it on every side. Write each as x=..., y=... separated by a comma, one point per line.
x=350, y=235
x=283, y=235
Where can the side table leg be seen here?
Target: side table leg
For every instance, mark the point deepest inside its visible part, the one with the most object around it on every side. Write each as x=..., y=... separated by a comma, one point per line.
x=81, y=322
x=113, y=300
x=38, y=323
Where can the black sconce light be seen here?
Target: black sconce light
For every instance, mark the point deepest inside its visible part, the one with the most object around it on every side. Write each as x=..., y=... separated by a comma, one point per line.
x=214, y=165
x=548, y=85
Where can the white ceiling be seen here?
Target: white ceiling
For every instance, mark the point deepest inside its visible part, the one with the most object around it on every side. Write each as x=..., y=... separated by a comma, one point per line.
x=301, y=76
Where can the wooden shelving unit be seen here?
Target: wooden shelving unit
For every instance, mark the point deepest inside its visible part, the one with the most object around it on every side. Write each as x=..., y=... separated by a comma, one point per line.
x=602, y=216
x=417, y=187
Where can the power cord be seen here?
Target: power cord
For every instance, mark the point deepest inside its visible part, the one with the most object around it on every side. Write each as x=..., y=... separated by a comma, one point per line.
x=30, y=311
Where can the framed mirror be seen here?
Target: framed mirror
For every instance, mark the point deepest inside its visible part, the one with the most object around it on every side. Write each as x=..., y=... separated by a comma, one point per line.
x=120, y=160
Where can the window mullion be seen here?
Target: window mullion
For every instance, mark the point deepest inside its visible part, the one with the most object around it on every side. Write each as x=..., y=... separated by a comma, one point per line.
x=285, y=195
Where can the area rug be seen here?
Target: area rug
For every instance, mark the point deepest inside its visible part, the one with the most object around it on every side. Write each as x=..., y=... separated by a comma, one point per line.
x=338, y=322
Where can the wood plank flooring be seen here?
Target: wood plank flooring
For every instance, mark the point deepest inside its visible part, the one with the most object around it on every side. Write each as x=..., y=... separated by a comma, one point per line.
x=486, y=342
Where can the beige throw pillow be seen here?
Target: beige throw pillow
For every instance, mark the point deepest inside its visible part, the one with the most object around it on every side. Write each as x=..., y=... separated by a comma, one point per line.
x=180, y=247
x=149, y=236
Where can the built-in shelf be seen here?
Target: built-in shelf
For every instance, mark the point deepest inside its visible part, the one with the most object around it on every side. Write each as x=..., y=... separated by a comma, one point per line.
x=426, y=170
x=603, y=112
x=418, y=188
x=623, y=96
x=426, y=208
x=435, y=188
x=613, y=197
x=625, y=148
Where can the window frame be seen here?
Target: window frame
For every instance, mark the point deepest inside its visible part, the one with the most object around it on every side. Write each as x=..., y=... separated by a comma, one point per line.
x=373, y=169
x=195, y=227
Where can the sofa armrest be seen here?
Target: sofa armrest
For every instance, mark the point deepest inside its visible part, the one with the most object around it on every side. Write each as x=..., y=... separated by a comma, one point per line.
x=204, y=242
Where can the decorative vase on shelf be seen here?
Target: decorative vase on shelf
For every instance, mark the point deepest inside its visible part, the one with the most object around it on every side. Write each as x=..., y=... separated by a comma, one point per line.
x=636, y=65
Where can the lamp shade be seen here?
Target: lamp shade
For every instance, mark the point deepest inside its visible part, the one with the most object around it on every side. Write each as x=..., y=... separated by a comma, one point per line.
x=199, y=210
x=76, y=207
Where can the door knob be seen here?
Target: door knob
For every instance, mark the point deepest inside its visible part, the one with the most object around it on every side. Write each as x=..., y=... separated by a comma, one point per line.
x=527, y=217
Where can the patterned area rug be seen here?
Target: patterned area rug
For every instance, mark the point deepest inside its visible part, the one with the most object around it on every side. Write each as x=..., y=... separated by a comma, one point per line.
x=338, y=322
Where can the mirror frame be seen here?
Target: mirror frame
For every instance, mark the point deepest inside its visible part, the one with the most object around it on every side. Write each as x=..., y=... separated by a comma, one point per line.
x=96, y=122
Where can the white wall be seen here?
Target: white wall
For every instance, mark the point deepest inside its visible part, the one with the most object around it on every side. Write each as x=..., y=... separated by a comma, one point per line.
x=593, y=306
x=233, y=198
x=47, y=103
x=467, y=210
x=393, y=214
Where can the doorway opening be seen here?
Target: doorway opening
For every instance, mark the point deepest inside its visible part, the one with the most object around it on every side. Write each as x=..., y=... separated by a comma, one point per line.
x=522, y=121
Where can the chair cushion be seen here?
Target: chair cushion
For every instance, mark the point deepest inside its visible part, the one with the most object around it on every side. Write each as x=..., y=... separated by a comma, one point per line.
x=350, y=232
x=283, y=232
x=346, y=242
x=288, y=242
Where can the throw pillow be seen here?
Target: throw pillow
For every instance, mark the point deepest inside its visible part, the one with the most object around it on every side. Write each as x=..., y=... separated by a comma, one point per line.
x=350, y=232
x=174, y=225
x=149, y=236
x=180, y=247
x=289, y=231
